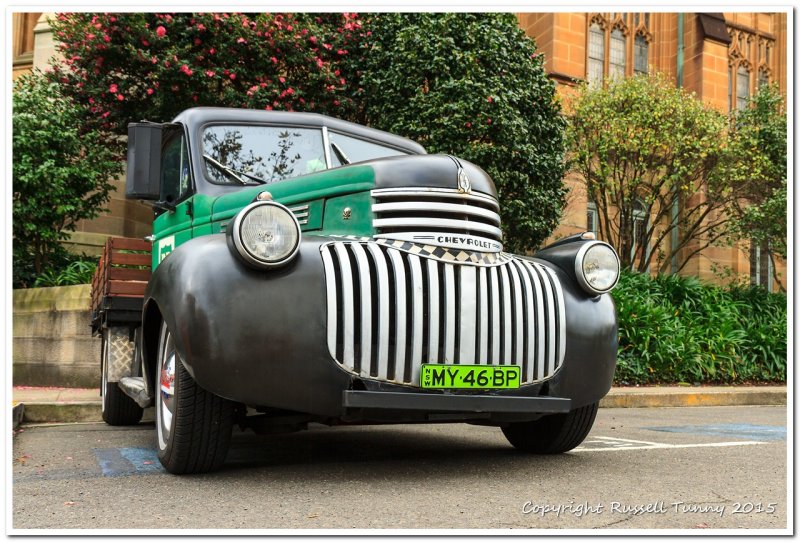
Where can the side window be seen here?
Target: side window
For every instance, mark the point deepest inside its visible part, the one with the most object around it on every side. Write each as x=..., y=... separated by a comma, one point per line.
x=175, y=179
x=349, y=150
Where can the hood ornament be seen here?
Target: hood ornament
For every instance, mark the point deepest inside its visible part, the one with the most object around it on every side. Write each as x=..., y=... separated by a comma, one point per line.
x=464, y=186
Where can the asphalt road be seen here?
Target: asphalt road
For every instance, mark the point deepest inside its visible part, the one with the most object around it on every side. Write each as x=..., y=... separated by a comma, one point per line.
x=676, y=468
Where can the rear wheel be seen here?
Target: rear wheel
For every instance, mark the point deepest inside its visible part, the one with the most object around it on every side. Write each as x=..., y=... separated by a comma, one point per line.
x=116, y=361
x=552, y=434
x=193, y=425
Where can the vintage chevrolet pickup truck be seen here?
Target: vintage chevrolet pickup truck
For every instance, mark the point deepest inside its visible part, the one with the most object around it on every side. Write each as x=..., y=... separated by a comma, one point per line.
x=304, y=269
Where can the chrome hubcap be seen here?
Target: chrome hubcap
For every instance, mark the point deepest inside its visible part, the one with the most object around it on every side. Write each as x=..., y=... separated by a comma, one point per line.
x=165, y=405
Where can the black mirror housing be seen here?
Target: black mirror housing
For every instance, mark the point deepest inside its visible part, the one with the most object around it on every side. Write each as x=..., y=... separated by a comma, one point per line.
x=144, y=161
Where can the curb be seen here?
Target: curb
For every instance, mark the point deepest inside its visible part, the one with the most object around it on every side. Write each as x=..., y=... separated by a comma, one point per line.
x=89, y=411
x=85, y=411
x=634, y=398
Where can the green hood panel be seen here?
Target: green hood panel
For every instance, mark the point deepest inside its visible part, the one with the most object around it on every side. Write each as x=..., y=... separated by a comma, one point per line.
x=324, y=184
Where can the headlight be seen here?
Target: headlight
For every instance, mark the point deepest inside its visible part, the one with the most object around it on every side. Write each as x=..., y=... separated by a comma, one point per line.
x=266, y=234
x=597, y=267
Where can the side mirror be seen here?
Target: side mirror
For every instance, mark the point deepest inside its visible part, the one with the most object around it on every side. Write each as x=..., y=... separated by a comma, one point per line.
x=144, y=161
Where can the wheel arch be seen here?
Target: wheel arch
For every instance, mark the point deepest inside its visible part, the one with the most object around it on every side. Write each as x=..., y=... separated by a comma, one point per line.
x=151, y=327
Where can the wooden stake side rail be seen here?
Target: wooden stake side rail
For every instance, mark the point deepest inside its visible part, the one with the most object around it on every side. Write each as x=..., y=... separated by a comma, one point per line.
x=123, y=271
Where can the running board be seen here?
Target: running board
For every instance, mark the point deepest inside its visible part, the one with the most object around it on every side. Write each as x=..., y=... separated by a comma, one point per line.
x=133, y=386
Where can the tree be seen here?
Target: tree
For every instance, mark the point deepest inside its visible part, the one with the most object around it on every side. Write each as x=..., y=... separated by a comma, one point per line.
x=131, y=66
x=760, y=131
x=60, y=176
x=474, y=86
x=654, y=160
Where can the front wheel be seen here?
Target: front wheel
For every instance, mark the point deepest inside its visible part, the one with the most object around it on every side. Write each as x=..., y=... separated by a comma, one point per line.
x=193, y=425
x=552, y=434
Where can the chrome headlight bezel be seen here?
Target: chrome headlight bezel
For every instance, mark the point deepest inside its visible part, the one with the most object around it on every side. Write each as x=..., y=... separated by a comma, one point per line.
x=234, y=229
x=580, y=275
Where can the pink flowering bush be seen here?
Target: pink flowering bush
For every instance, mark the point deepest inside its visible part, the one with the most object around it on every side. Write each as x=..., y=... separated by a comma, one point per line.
x=133, y=66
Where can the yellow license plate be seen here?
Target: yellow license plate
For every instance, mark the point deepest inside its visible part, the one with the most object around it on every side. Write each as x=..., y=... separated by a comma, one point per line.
x=477, y=377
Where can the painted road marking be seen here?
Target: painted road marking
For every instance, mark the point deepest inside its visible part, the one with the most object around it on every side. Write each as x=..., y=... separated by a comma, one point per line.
x=613, y=444
x=736, y=430
x=127, y=461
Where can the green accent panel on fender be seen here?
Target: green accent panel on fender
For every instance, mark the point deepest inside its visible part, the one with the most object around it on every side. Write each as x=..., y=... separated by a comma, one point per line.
x=202, y=210
x=324, y=184
x=315, y=210
x=360, y=221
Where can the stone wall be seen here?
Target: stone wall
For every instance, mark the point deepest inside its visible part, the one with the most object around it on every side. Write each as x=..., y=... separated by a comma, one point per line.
x=52, y=340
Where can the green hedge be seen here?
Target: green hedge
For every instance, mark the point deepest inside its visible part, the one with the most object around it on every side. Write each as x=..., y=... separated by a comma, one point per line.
x=674, y=329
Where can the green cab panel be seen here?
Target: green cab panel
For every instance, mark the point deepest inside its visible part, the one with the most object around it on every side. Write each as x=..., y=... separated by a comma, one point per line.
x=171, y=229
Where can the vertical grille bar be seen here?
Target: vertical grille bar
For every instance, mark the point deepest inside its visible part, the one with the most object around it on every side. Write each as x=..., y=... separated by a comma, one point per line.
x=433, y=311
x=416, y=320
x=383, y=310
x=519, y=311
x=347, y=304
x=400, y=314
x=540, y=328
x=549, y=303
x=366, y=308
x=483, y=355
x=507, y=343
x=495, y=290
x=561, y=340
x=450, y=314
x=531, y=333
x=466, y=319
x=330, y=287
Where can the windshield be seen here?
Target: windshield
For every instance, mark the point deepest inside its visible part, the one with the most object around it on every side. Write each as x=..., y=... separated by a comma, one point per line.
x=253, y=154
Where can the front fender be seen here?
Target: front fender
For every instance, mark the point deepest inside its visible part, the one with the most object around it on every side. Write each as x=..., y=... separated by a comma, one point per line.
x=234, y=335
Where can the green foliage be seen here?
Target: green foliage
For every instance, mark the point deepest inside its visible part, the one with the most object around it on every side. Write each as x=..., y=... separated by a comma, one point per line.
x=472, y=85
x=78, y=272
x=641, y=138
x=674, y=329
x=124, y=67
x=761, y=131
x=60, y=175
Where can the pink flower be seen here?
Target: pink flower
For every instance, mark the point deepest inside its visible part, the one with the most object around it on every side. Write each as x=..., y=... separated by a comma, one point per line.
x=282, y=79
x=145, y=43
x=489, y=99
x=201, y=27
x=120, y=97
x=313, y=39
x=232, y=76
x=341, y=52
x=197, y=41
x=161, y=31
x=185, y=69
x=241, y=40
x=210, y=73
x=290, y=91
x=150, y=91
x=91, y=100
x=106, y=38
x=488, y=121
x=113, y=88
x=274, y=60
x=468, y=125
x=212, y=51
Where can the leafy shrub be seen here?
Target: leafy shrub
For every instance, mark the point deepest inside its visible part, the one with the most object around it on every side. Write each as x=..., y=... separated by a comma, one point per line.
x=675, y=329
x=472, y=85
x=60, y=174
x=77, y=272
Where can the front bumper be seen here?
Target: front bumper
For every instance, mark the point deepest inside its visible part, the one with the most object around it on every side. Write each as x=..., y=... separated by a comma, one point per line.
x=262, y=339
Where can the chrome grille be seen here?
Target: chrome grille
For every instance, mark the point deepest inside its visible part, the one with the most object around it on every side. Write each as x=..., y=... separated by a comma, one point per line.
x=390, y=311
x=438, y=216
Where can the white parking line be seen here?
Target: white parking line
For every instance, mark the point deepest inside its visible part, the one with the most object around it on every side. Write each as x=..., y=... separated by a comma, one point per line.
x=613, y=444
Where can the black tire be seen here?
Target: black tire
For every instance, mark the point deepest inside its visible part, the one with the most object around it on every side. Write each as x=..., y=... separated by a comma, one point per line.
x=196, y=435
x=116, y=407
x=552, y=434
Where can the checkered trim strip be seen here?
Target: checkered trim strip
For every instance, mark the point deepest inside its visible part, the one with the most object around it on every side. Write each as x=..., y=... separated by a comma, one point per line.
x=443, y=254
